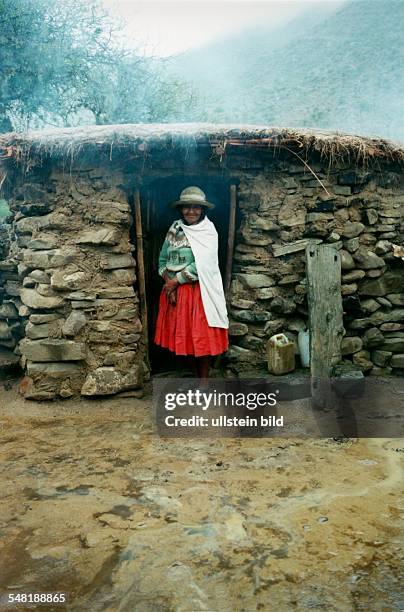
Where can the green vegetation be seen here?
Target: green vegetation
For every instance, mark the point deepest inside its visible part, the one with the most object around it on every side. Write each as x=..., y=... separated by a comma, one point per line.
x=60, y=64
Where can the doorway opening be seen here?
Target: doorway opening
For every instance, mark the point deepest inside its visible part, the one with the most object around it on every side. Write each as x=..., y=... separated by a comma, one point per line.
x=157, y=215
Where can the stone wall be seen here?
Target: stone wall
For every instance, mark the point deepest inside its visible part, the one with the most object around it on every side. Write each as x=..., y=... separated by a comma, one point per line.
x=68, y=287
x=67, y=300
x=362, y=217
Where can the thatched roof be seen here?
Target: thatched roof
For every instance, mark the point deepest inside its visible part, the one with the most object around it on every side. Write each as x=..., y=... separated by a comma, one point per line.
x=70, y=142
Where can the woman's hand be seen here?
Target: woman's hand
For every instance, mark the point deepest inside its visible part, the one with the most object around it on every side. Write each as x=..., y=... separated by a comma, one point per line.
x=171, y=285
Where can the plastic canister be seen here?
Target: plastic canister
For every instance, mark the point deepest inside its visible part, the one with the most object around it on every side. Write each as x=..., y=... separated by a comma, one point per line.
x=281, y=354
x=303, y=340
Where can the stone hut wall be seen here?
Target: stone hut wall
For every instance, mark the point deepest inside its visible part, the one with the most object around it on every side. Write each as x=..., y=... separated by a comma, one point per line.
x=362, y=216
x=68, y=286
x=67, y=298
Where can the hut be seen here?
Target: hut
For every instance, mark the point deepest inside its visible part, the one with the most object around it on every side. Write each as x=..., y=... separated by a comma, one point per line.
x=89, y=211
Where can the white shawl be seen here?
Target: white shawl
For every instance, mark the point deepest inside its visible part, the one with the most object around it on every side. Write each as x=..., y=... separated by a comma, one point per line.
x=203, y=241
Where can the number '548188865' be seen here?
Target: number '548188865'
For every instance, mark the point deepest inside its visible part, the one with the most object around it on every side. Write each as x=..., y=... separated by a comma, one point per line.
x=36, y=597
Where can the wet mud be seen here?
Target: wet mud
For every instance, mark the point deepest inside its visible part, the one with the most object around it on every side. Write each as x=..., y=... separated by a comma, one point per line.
x=95, y=505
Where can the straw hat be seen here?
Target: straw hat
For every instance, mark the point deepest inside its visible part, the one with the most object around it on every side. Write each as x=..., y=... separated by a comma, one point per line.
x=192, y=195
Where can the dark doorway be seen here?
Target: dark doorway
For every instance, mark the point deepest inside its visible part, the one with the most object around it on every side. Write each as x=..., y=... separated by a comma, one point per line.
x=157, y=216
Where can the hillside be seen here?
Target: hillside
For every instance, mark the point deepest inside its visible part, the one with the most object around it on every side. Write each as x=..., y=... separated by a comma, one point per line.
x=334, y=67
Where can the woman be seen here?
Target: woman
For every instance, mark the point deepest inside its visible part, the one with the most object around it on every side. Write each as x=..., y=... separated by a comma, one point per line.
x=192, y=318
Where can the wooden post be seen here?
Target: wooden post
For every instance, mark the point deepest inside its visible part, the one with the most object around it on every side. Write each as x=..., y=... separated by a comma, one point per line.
x=141, y=272
x=323, y=270
x=230, y=239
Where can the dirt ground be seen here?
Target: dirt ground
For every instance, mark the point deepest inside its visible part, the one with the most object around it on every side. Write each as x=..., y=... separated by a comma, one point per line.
x=97, y=506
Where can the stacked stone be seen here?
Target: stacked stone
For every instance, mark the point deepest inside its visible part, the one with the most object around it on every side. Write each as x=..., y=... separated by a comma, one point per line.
x=75, y=287
x=11, y=329
x=358, y=213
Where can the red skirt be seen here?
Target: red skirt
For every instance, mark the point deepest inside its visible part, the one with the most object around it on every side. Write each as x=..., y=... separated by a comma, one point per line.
x=184, y=329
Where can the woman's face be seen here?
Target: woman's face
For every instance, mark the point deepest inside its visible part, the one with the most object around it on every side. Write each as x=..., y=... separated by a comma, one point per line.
x=191, y=213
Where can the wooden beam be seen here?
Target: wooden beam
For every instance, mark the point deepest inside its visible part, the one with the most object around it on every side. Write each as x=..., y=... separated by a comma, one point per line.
x=141, y=272
x=293, y=247
x=323, y=269
x=230, y=238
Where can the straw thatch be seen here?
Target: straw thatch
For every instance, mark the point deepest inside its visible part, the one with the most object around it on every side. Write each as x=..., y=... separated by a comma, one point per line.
x=70, y=142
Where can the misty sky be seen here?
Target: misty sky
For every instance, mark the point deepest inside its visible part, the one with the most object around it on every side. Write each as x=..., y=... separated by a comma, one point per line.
x=166, y=27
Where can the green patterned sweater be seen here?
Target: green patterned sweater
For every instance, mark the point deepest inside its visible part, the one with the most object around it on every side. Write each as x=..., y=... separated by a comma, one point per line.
x=176, y=256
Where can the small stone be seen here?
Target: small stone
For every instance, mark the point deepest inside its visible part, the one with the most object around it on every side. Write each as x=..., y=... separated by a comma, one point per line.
x=46, y=290
x=384, y=302
x=347, y=262
x=251, y=342
x=397, y=361
x=74, y=323
x=367, y=259
x=283, y=305
x=369, y=305
x=391, y=327
x=350, y=345
x=238, y=329
x=370, y=216
x=362, y=359
x=44, y=318
x=108, y=381
x=61, y=280
x=106, y=236
x=349, y=289
x=82, y=295
x=292, y=212
x=255, y=281
x=289, y=279
x=110, y=262
x=52, y=350
x=39, y=276
x=352, y=229
x=352, y=245
x=397, y=299
x=343, y=190
x=373, y=337
x=13, y=288
x=274, y=326
x=333, y=237
x=24, y=311
x=44, y=242
x=263, y=224
x=8, y=311
x=5, y=331
x=381, y=358
x=31, y=298
x=34, y=332
x=353, y=275
x=266, y=293
x=54, y=370
x=395, y=345
x=28, y=282
x=383, y=246
x=374, y=273
x=116, y=292
x=238, y=353
x=249, y=316
x=241, y=303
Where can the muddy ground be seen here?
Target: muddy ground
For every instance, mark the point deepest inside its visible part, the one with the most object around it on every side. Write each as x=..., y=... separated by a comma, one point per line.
x=96, y=506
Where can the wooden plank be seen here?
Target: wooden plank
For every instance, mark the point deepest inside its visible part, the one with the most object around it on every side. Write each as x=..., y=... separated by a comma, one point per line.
x=141, y=272
x=293, y=247
x=230, y=239
x=323, y=270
